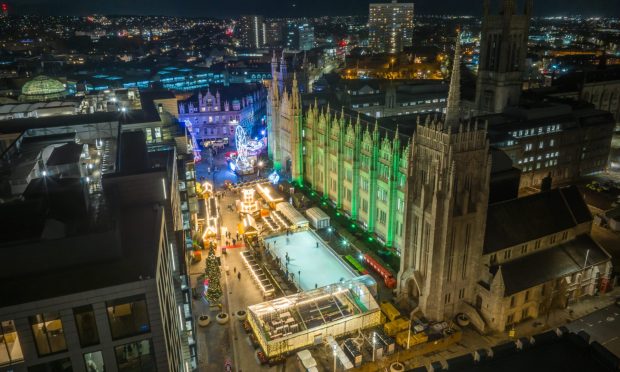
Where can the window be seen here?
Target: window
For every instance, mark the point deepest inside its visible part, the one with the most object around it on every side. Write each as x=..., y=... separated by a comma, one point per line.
x=128, y=317
x=541, y=144
x=527, y=295
x=365, y=205
x=135, y=356
x=542, y=290
x=493, y=258
x=10, y=348
x=537, y=244
x=528, y=147
x=63, y=365
x=524, y=249
x=510, y=319
x=461, y=293
x=524, y=313
x=512, y=301
x=365, y=184
x=447, y=298
x=86, y=325
x=552, y=142
x=382, y=217
x=552, y=239
x=48, y=333
x=94, y=362
x=564, y=235
x=507, y=254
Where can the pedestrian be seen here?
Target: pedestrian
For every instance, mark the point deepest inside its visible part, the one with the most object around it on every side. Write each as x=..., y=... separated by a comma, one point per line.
x=235, y=269
x=317, y=244
x=234, y=241
x=239, y=275
x=316, y=286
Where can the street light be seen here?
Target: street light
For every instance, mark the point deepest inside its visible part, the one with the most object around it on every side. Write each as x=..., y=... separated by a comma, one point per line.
x=260, y=166
x=374, y=342
x=335, y=353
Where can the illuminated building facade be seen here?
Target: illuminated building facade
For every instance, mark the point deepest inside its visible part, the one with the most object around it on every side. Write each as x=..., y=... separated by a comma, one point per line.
x=390, y=26
x=215, y=116
x=358, y=167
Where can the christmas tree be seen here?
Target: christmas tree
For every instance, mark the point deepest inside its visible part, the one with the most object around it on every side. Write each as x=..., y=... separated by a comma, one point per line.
x=214, y=291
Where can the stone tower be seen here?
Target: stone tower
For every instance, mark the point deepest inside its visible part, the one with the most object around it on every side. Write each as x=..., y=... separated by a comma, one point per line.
x=446, y=203
x=284, y=124
x=503, y=50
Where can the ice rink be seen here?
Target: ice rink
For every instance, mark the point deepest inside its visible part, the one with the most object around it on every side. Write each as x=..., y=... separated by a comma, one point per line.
x=318, y=266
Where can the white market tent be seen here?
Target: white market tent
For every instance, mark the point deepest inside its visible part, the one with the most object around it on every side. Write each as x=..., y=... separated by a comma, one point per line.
x=295, y=218
x=318, y=218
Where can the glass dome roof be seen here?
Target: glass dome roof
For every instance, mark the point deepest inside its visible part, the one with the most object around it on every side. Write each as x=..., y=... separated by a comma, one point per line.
x=43, y=88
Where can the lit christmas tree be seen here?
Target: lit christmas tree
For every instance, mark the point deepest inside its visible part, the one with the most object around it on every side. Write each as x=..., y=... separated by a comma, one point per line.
x=214, y=291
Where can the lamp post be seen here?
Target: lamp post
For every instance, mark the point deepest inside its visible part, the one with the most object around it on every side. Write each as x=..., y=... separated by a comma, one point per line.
x=374, y=343
x=335, y=366
x=260, y=166
x=409, y=333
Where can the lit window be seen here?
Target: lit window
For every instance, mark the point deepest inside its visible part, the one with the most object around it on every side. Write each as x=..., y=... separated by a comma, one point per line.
x=48, y=333
x=94, y=361
x=128, y=317
x=10, y=347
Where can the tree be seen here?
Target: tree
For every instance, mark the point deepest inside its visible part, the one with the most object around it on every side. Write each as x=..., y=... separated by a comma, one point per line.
x=214, y=291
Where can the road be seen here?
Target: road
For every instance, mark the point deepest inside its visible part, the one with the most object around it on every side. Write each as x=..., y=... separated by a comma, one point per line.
x=603, y=326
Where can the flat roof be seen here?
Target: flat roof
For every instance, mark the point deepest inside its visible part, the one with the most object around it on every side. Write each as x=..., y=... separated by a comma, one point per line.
x=139, y=243
x=307, y=310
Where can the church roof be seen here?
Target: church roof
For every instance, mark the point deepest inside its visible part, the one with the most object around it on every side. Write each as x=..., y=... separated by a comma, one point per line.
x=546, y=265
x=521, y=220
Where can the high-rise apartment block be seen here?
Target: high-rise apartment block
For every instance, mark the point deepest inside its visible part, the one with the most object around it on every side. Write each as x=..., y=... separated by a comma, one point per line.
x=251, y=31
x=390, y=26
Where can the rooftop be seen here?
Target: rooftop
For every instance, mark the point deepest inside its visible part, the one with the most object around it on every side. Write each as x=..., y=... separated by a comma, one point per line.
x=551, y=263
x=521, y=220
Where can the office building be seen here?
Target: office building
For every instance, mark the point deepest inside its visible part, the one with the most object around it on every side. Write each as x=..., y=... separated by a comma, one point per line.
x=390, y=26
x=306, y=36
x=102, y=200
x=251, y=31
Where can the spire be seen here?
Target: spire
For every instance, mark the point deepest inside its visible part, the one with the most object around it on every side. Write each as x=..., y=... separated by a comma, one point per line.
x=453, y=109
x=529, y=8
x=295, y=92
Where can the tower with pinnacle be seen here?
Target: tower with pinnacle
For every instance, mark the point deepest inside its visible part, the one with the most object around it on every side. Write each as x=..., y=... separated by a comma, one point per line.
x=284, y=122
x=446, y=204
x=503, y=49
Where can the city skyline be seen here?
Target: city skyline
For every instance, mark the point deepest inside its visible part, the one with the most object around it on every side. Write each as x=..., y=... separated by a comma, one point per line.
x=278, y=8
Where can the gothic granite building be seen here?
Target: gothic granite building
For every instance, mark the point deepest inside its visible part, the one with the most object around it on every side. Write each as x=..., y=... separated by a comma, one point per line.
x=427, y=197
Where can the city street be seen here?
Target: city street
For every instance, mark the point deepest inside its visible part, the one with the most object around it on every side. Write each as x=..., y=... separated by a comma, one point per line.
x=603, y=326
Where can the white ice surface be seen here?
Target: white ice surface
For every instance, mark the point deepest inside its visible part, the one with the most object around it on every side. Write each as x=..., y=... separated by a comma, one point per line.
x=318, y=266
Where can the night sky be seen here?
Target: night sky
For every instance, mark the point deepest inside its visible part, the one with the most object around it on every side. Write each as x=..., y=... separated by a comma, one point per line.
x=219, y=8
